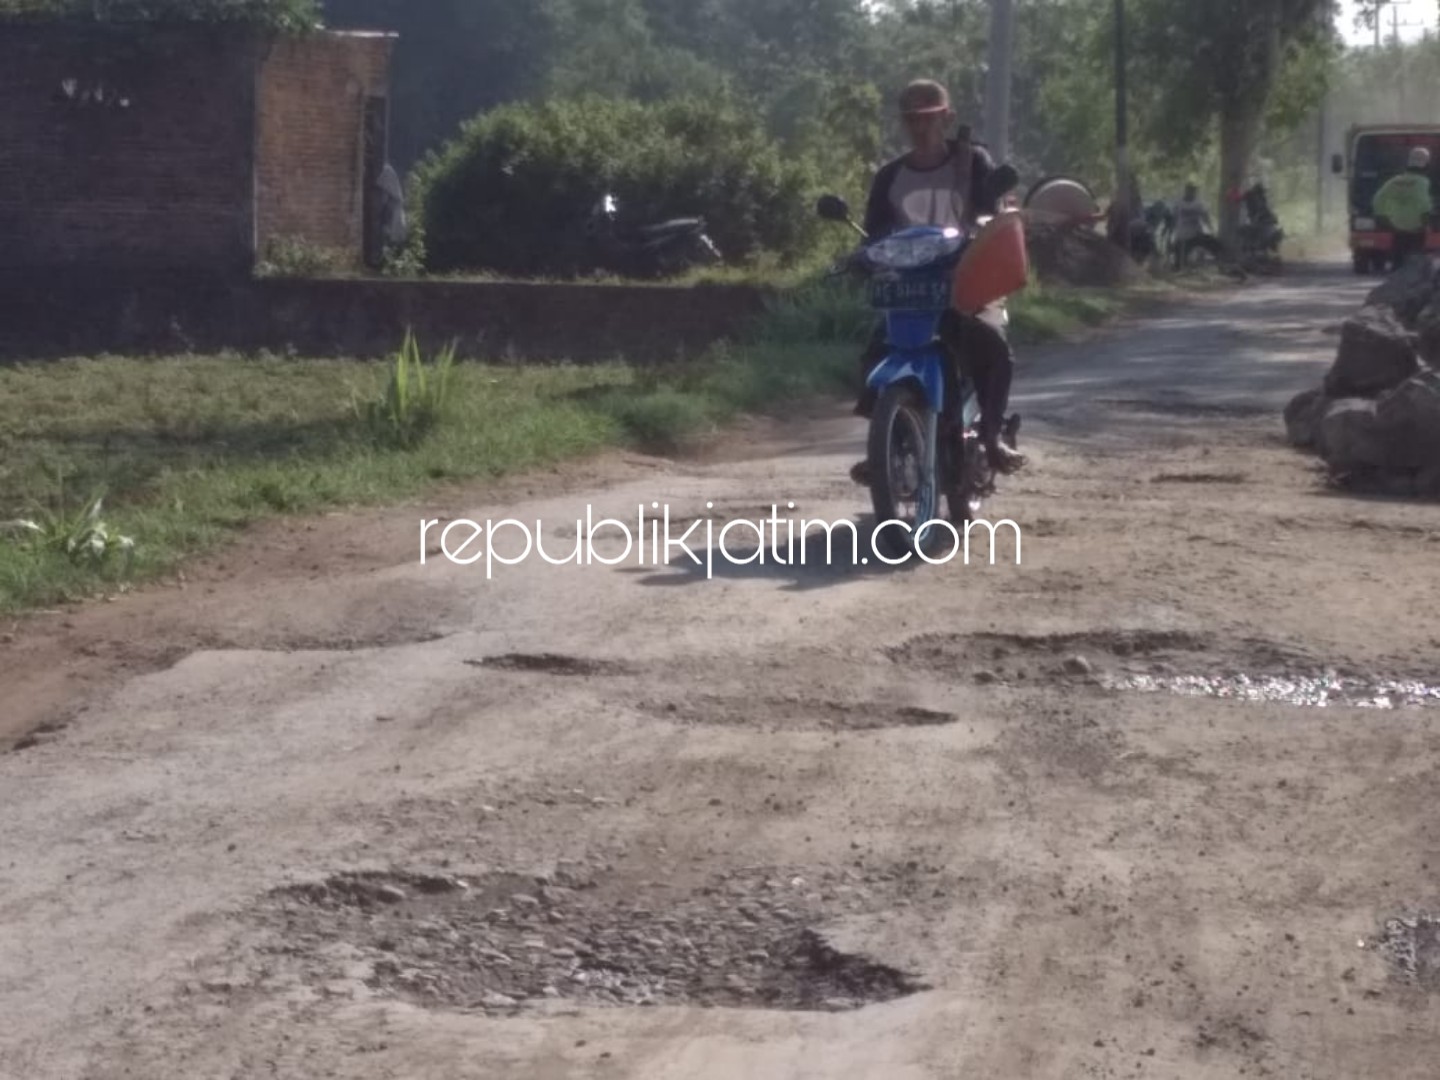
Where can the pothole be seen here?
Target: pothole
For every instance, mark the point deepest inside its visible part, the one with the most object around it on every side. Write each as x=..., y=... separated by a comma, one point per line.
x=1006, y=657
x=1316, y=690
x=1188, y=408
x=552, y=664
x=795, y=714
x=1412, y=946
x=1200, y=478
x=501, y=942
x=39, y=735
x=1175, y=662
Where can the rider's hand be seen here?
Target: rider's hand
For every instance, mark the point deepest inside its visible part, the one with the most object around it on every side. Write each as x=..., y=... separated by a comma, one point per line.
x=847, y=265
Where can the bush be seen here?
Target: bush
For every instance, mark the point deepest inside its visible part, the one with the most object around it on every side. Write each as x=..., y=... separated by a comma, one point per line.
x=512, y=192
x=287, y=256
x=79, y=536
x=415, y=398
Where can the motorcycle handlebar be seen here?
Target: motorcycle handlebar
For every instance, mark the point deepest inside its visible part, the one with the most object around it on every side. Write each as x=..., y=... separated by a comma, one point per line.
x=845, y=265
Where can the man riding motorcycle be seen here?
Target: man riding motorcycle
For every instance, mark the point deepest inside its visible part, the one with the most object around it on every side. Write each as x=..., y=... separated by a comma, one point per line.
x=943, y=182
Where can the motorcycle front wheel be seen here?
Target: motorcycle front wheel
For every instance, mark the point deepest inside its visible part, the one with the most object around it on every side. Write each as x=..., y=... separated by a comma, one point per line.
x=903, y=480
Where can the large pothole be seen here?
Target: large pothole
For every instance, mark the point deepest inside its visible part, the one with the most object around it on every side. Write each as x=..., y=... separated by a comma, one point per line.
x=552, y=664
x=503, y=941
x=1176, y=662
x=1412, y=945
x=794, y=713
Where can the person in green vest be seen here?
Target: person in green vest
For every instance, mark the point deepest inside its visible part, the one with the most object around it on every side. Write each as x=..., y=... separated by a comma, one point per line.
x=1406, y=202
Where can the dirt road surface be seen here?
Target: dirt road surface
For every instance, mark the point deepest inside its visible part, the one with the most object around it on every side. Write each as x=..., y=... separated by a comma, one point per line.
x=328, y=812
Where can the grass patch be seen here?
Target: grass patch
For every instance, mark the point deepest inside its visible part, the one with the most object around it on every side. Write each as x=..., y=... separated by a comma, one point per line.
x=1047, y=313
x=416, y=398
x=186, y=449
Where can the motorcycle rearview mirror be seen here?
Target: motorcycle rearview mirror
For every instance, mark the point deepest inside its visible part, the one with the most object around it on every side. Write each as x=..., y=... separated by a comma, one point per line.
x=833, y=208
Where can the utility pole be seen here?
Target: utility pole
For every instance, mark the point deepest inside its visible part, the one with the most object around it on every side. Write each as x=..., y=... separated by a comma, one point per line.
x=1320, y=167
x=997, y=93
x=1379, y=16
x=1122, y=133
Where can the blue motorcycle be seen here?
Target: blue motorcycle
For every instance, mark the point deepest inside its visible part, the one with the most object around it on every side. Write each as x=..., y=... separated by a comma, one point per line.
x=924, y=440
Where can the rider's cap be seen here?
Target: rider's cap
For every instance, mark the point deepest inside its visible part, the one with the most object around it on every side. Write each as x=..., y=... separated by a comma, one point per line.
x=924, y=97
x=1419, y=158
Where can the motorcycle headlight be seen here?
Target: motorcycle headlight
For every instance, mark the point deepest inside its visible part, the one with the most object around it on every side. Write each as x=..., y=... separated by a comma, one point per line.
x=1364, y=224
x=909, y=252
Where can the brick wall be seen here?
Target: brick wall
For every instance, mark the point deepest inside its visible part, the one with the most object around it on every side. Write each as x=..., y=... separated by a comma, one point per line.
x=71, y=314
x=310, y=167
x=156, y=173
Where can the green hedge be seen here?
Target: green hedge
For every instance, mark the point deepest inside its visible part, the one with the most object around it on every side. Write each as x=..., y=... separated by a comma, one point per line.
x=511, y=193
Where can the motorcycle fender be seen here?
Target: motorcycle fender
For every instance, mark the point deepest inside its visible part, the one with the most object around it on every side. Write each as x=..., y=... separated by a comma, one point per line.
x=925, y=366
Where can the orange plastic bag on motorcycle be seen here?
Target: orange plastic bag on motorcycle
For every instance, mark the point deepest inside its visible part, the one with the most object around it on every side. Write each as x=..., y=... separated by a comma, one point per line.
x=996, y=264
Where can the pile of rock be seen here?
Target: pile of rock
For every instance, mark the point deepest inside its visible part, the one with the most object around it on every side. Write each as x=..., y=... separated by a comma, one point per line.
x=1376, y=418
x=1078, y=254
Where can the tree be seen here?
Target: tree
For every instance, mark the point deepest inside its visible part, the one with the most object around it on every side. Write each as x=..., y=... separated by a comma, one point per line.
x=455, y=58
x=1236, y=52
x=286, y=16
x=607, y=48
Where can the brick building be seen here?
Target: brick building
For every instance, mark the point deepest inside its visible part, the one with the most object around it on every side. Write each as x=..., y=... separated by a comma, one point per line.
x=186, y=147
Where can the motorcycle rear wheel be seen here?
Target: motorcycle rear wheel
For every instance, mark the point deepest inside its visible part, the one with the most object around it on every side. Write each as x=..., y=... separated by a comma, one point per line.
x=970, y=480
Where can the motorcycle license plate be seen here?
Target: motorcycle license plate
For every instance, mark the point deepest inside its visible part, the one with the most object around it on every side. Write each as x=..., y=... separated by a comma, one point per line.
x=929, y=292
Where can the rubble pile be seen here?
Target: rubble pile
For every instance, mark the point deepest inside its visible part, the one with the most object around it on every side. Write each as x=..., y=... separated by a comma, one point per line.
x=1077, y=254
x=1375, y=419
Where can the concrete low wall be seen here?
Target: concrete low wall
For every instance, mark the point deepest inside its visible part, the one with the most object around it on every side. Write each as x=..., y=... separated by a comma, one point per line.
x=54, y=315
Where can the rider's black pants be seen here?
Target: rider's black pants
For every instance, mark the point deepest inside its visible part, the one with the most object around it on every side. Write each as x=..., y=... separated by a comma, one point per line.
x=978, y=348
x=1407, y=245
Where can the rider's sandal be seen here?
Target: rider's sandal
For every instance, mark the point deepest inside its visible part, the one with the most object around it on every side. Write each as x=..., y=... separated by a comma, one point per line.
x=1007, y=461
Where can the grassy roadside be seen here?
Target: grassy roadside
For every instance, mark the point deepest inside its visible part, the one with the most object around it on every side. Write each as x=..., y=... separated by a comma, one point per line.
x=187, y=449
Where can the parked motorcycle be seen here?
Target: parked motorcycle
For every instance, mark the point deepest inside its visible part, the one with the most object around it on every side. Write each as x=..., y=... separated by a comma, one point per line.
x=924, y=444
x=648, y=251
x=1159, y=220
x=1260, y=233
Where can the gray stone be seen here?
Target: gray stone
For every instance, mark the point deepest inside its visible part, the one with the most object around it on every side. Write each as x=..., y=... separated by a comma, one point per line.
x=1376, y=354
x=1410, y=417
x=1078, y=665
x=1351, y=435
x=1427, y=331
x=1302, y=418
x=1400, y=483
x=498, y=1001
x=1407, y=291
